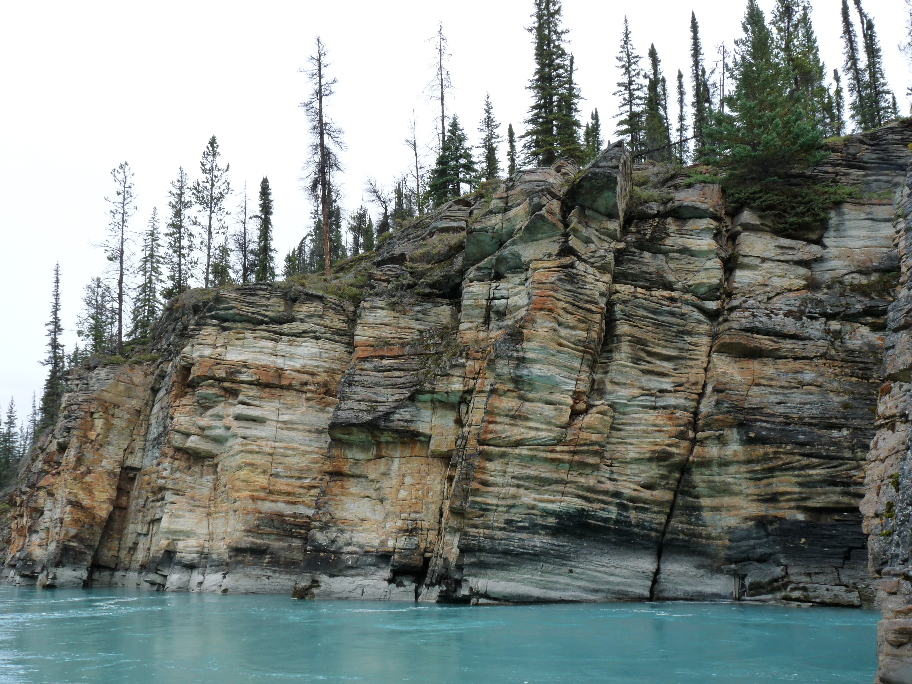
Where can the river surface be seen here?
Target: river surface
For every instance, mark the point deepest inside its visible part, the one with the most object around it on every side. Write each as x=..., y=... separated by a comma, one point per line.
x=112, y=636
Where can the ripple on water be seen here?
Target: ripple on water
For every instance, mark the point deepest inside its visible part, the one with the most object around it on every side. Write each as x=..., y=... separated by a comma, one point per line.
x=147, y=638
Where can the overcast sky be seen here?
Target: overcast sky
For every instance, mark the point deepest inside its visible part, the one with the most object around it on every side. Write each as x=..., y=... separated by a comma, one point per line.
x=88, y=85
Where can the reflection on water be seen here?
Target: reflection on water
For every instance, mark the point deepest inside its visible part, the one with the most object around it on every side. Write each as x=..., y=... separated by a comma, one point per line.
x=64, y=636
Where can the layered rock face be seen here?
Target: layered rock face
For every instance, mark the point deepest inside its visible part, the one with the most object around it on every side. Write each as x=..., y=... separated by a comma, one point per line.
x=592, y=385
x=887, y=506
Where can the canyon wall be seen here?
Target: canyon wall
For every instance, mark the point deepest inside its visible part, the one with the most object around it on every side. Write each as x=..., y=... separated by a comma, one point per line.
x=589, y=385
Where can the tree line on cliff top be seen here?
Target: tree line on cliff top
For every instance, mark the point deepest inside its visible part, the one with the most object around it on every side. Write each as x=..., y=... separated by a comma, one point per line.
x=768, y=105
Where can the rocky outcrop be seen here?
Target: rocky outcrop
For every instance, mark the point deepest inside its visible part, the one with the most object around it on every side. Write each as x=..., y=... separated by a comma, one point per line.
x=887, y=505
x=532, y=400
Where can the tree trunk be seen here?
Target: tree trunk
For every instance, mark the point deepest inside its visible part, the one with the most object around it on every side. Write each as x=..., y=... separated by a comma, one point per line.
x=324, y=164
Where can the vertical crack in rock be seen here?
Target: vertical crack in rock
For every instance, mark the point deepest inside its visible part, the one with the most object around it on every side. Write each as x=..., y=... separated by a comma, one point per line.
x=682, y=474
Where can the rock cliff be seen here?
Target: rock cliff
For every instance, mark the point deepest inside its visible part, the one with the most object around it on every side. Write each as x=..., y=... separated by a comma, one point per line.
x=590, y=385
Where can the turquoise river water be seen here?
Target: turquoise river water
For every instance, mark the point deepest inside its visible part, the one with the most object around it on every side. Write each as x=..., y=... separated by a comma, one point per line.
x=112, y=636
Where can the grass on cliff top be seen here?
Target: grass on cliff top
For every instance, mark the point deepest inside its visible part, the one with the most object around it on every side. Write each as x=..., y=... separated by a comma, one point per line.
x=348, y=280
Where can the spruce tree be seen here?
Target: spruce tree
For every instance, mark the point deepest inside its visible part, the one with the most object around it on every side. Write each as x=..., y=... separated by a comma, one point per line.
x=180, y=249
x=455, y=167
x=799, y=56
x=488, y=127
x=9, y=443
x=551, y=86
x=838, y=118
x=630, y=90
x=592, y=137
x=221, y=264
x=567, y=124
x=655, y=115
x=511, y=150
x=55, y=360
x=700, y=103
x=116, y=246
x=682, y=121
x=210, y=193
x=766, y=128
x=381, y=197
x=326, y=143
x=265, y=262
x=361, y=231
x=146, y=303
x=880, y=98
x=98, y=319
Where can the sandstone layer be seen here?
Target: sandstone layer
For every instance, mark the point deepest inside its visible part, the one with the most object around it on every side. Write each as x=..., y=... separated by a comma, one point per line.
x=569, y=391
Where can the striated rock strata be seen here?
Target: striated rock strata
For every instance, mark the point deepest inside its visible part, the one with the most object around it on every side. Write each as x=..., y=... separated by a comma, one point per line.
x=532, y=400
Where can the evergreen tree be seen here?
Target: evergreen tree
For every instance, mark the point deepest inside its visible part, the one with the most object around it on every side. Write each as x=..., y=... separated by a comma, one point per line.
x=221, y=264
x=337, y=241
x=244, y=243
x=296, y=260
x=511, y=150
x=55, y=360
x=98, y=319
x=699, y=82
x=553, y=92
x=455, y=167
x=361, y=231
x=32, y=425
x=630, y=91
x=657, y=140
x=880, y=98
x=122, y=208
x=9, y=444
x=766, y=128
x=265, y=262
x=489, y=139
x=798, y=55
x=682, y=120
x=567, y=123
x=592, y=137
x=179, y=259
x=838, y=115
x=855, y=74
x=325, y=146
x=146, y=303
x=210, y=194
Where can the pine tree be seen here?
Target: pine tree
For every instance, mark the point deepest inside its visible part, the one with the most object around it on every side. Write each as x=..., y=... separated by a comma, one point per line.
x=511, y=150
x=210, y=194
x=766, y=128
x=98, y=319
x=455, y=167
x=325, y=146
x=179, y=258
x=265, y=262
x=32, y=425
x=551, y=86
x=630, y=91
x=244, y=243
x=592, y=137
x=488, y=127
x=116, y=246
x=700, y=104
x=55, y=360
x=655, y=114
x=146, y=303
x=682, y=121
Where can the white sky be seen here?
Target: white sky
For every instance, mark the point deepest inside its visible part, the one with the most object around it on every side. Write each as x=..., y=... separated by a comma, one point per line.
x=88, y=85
